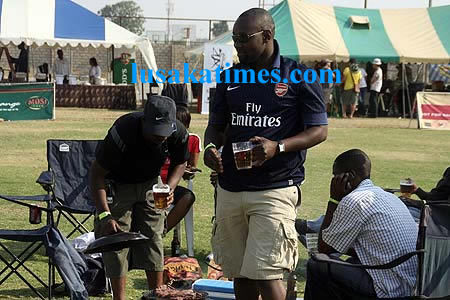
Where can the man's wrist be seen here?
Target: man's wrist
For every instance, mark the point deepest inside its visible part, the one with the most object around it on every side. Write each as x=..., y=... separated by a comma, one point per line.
x=103, y=215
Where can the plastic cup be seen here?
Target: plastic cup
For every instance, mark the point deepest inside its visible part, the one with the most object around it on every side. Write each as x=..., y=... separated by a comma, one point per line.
x=160, y=194
x=242, y=152
x=35, y=216
x=312, y=240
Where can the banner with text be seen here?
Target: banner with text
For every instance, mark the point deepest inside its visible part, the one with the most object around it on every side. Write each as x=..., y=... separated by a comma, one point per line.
x=27, y=101
x=433, y=110
x=214, y=55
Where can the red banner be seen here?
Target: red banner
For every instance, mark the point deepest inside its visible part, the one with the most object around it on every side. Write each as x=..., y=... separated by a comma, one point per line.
x=433, y=110
x=436, y=112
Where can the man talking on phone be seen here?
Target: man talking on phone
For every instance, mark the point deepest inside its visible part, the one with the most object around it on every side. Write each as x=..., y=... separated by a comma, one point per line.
x=374, y=227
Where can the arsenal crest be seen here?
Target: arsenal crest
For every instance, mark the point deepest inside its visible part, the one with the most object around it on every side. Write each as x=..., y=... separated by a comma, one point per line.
x=281, y=89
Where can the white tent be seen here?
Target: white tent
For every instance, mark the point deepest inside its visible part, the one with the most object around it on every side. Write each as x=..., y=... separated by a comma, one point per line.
x=65, y=23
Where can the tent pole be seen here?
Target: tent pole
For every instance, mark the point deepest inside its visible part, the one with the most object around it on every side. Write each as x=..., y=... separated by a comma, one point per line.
x=403, y=89
x=408, y=96
x=32, y=62
x=112, y=62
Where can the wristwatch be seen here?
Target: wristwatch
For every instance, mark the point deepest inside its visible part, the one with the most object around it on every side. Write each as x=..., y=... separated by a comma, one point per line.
x=280, y=147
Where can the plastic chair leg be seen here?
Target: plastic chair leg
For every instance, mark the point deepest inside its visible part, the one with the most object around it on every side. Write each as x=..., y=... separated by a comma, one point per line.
x=189, y=229
x=189, y=224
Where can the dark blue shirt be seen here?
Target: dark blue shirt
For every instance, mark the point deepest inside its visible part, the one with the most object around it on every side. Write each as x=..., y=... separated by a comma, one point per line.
x=271, y=110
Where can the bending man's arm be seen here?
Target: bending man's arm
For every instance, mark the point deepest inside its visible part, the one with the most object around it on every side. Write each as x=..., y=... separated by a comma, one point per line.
x=98, y=187
x=175, y=175
x=98, y=190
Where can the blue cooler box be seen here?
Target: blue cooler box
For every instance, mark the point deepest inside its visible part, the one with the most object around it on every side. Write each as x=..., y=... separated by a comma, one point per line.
x=216, y=289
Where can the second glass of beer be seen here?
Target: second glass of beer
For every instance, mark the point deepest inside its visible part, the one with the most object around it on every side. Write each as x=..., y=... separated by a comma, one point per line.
x=243, y=155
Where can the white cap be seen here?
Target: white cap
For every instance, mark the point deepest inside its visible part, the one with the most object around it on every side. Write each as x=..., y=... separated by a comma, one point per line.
x=376, y=61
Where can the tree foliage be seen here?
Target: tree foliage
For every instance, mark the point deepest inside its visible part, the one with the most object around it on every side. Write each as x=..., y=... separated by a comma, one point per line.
x=219, y=28
x=125, y=9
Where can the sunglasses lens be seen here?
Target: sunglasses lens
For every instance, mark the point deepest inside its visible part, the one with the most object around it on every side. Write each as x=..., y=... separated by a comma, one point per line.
x=240, y=39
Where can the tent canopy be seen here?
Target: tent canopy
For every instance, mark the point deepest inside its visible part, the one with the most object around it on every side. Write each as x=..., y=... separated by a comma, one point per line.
x=65, y=23
x=311, y=32
x=58, y=22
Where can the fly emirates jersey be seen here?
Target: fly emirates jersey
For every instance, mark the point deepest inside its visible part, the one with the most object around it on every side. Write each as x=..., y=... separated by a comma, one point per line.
x=272, y=110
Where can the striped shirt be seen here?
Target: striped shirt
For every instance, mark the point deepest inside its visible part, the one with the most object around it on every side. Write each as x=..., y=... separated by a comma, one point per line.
x=379, y=227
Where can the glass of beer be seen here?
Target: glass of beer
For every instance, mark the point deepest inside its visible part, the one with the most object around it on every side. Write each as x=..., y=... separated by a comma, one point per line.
x=406, y=187
x=242, y=155
x=160, y=194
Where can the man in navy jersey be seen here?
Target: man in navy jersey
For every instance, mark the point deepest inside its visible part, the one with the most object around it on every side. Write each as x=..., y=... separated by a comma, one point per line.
x=131, y=155
x=254, y=238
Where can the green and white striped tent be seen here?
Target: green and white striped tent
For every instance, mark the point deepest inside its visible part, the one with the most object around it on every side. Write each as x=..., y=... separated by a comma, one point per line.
x=311, y=32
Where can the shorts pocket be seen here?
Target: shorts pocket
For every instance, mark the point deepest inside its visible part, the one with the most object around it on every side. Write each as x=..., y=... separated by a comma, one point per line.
x=284, y=253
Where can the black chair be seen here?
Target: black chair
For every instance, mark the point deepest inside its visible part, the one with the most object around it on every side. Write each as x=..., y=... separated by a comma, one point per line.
x=61, y=254
x=35, y=238
x=67, y=181
x=433, y=250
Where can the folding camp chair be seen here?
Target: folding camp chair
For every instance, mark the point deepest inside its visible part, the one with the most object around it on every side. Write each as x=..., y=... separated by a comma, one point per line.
x=35, y=239
x=61, y=254
x=67, y=180
x=433, y=250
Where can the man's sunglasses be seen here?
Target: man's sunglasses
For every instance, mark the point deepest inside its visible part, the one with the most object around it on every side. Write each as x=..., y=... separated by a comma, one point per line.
x=244, y=38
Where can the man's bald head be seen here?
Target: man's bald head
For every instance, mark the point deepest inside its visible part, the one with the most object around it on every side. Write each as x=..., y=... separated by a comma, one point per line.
x=260, y=17
x=353, y=161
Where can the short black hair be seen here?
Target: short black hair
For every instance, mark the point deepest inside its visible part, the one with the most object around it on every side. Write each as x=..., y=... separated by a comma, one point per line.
x=94, y=61
x=353, y=160
x=352, y=60
x=262, y=16
x=183, y=115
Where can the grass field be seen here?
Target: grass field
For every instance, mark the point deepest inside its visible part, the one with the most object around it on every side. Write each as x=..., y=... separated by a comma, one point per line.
x=396, y=148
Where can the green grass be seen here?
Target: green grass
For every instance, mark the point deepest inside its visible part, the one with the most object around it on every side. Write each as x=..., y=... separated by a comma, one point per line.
x=396, y=149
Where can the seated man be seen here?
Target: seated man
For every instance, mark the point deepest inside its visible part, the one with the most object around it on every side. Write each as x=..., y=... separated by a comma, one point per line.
x=371, y=225
x=440, y=192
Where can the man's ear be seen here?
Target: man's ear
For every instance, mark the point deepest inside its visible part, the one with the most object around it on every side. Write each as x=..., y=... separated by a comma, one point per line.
x=267, y=35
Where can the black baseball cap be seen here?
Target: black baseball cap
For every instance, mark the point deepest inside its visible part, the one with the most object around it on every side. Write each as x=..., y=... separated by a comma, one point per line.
x=159, y=116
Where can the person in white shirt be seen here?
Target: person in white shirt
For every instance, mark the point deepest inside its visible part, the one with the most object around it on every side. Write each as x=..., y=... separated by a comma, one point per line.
x=375, y=87
x=362, y=93
x=61, y=64
x=95, y=72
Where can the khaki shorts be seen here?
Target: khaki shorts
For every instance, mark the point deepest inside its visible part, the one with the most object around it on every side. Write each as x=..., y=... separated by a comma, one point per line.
x=254, y=233
x=133, y=211
x=349, y=97
x=327, y=95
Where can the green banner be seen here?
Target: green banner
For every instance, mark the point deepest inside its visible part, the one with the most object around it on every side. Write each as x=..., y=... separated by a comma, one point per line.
x=27, y=101
x=122, y=71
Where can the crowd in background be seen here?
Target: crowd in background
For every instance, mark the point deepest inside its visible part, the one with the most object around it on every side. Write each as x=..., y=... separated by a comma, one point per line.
x=371, y=89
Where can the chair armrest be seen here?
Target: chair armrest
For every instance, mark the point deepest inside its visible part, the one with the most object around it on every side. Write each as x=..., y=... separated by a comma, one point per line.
x=16, y=200
x=321, y=257
x=45, y=180
x=389, y=190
